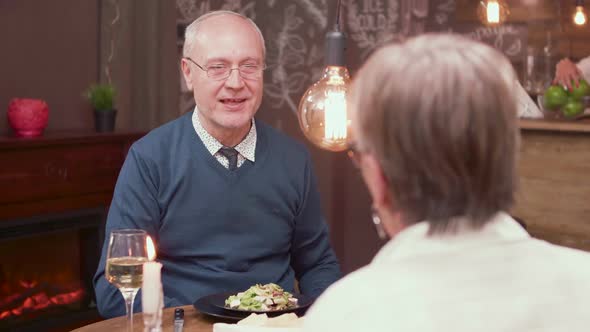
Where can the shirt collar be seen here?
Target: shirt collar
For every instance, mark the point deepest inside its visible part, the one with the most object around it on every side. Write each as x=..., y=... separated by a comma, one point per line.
x=415, y=241
x=247, y=147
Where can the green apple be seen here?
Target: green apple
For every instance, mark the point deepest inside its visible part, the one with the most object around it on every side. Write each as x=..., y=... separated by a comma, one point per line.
x=580, y=91
x=572, y=108
x=555, y=96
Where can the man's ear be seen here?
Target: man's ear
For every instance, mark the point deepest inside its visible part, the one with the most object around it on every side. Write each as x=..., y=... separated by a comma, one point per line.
x=377, y=182
x=186, y=72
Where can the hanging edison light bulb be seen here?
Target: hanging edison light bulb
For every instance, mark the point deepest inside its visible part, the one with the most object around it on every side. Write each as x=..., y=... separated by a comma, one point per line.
x=493, y=12
x=580, y=15
x=322, y=113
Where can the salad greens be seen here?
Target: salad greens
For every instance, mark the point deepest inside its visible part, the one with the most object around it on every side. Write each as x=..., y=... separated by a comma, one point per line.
x=269, y=297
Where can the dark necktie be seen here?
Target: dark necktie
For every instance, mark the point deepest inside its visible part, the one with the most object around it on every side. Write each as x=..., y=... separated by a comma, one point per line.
x=232, y=157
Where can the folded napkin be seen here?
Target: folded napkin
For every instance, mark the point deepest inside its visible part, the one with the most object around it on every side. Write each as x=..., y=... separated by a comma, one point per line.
x=223, y=327
x=262, y=323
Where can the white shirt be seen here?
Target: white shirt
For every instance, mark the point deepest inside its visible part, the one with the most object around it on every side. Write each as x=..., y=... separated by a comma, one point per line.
x=246, y=148
x=584, y=66
x=496, y=279
x=527, y=107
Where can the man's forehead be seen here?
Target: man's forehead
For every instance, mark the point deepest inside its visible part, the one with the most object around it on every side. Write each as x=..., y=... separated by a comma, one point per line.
x=229, y=54
x=226, y=24
x=228, y=47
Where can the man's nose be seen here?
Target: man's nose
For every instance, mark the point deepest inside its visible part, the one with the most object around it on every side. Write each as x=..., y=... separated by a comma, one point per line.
x=234, y=80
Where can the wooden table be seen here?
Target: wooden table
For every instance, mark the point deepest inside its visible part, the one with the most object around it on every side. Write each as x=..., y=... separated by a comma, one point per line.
x=193, y=322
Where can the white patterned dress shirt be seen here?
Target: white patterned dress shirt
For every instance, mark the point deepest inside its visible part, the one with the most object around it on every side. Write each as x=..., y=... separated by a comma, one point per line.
x=246, y=148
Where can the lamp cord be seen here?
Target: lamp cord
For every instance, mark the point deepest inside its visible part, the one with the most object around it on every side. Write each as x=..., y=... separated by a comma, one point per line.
x=337, y=27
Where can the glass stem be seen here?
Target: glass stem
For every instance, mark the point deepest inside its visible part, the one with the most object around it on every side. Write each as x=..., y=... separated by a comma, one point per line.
x=129, y=296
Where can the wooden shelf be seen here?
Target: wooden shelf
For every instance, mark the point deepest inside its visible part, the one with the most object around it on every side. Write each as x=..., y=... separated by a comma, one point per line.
x=68, y=137
x=60, y=171
x=580, y=126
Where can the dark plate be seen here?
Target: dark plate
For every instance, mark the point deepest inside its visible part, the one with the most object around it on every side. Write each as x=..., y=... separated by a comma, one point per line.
x=203, y=305
x=213, y=305
x=302, y=302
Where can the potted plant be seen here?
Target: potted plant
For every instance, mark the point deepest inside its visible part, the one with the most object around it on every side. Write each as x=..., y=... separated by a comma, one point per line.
x=102, y=99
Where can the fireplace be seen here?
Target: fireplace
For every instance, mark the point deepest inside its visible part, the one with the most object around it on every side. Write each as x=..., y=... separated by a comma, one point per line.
x=54, y=192
x=46, y=269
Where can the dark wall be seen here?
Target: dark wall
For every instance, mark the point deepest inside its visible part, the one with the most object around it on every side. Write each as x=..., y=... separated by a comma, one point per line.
x=49, y=51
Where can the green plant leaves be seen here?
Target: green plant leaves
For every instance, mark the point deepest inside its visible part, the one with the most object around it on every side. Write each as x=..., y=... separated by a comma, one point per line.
x=101, y=96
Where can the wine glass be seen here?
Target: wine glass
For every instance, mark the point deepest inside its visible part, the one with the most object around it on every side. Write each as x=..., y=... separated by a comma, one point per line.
x=124, y=269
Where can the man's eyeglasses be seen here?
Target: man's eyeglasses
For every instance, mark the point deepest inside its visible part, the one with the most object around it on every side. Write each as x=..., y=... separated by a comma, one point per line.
x=222, y=72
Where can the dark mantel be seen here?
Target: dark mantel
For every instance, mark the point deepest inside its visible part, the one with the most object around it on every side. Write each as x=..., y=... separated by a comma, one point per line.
x=60, y=171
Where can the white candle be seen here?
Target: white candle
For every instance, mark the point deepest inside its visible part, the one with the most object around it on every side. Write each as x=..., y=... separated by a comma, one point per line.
x=151, y=290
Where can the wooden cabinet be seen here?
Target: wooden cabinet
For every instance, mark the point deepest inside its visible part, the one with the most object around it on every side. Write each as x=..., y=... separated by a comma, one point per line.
x=554, y=193
x=60, y=172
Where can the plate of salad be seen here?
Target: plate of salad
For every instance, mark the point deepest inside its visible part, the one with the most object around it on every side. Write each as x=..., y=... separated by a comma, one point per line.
x=267, y=298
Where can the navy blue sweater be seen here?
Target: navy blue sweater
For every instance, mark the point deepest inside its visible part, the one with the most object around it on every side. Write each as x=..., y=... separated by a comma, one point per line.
x=220, y=230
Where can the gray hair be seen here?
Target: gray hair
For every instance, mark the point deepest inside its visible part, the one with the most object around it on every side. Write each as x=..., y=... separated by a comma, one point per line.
x=439, y=114
x=191, y=32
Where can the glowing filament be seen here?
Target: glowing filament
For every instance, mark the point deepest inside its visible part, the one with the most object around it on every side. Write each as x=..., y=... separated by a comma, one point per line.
x=335, y=115
x=580, y=16
x=493, y=11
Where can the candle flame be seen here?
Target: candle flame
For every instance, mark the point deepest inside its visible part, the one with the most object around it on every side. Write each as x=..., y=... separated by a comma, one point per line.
x=151, y=249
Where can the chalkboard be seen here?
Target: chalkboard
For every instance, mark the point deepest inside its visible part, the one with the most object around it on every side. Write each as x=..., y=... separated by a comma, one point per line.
x=441, y=15
x=294, y=32
x=510, y=38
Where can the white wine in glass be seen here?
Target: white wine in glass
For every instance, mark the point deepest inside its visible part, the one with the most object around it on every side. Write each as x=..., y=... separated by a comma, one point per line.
x=125, y=272
x=124, y=269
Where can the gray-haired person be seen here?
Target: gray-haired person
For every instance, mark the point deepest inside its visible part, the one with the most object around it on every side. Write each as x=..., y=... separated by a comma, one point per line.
x=437, y=135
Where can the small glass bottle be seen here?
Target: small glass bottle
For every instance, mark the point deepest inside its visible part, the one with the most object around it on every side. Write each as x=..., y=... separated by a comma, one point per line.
x=178, y=319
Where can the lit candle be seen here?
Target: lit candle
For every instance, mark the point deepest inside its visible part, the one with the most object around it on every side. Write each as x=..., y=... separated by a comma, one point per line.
x=151, y=290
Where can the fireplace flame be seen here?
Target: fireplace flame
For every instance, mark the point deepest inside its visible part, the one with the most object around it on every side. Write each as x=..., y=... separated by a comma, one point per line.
x=38, y=301
x=28, y=283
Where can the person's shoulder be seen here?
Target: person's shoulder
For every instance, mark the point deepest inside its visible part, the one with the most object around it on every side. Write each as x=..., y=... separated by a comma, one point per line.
x=564, y=259
x=280, y=141
x=566, y=252
x=160, y=139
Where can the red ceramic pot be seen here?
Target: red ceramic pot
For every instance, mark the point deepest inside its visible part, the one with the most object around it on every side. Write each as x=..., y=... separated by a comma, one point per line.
x=28, y=117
